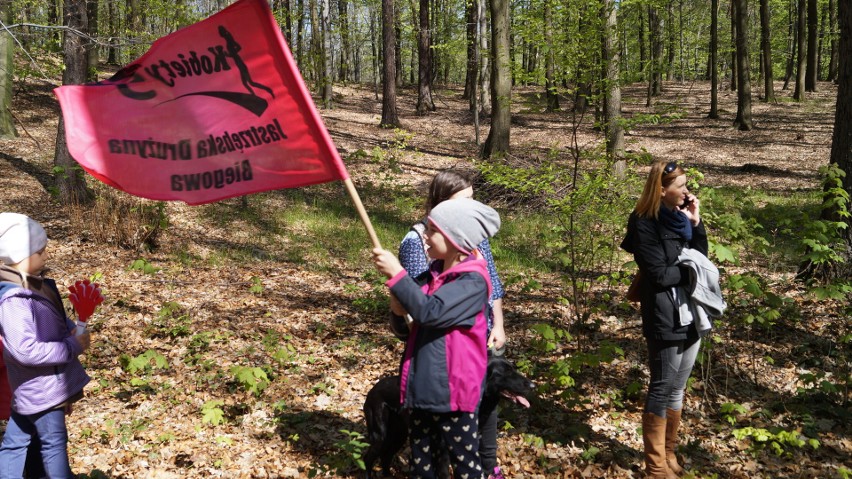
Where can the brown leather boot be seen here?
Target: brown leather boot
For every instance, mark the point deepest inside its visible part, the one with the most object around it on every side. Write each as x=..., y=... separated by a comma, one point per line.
x=654, y=437
x=672, y=425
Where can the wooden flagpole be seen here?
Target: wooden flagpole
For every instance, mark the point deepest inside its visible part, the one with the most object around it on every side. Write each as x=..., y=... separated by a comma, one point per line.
x=353, y=193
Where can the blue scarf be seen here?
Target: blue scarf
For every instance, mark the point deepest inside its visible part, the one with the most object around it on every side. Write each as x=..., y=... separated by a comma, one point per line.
x=677, y=221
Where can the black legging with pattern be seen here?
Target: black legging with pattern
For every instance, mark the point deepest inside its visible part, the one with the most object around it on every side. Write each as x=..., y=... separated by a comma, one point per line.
x=457, y=431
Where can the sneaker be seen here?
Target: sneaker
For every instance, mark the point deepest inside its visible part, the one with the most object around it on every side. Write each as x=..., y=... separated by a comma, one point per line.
x=497, y=474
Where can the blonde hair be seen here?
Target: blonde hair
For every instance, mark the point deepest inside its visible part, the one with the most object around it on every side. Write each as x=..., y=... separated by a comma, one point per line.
x=648, y=205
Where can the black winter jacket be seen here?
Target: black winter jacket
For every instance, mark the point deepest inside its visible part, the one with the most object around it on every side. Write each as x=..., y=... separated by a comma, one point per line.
x=655, y=249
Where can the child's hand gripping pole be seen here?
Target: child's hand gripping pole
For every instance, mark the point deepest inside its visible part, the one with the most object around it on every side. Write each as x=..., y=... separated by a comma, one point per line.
x=85, y=297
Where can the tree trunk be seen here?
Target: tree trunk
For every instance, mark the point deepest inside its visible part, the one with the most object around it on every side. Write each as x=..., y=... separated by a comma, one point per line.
x=327, y=60
x=397, y=30
x=112, y=53
x=841, y=140
x=7, y=57
x=832, y=33
x=424, y=64
x=799, y=92
x=643, y=57
x=497, y=143
x=743, y=120
x=470, y=38
x=612, y=57
x=92, y=47
x=70, y=181
x=300, y=33
x=714, y=60
x=390, y=118
x=791, y=44
x=287, y=15
x=656, y=52
x=345, y=50
x=734, y=72
x=550, y=93
x=766, y=48
x=671, y=41
x=812, y=67
x=484, y=66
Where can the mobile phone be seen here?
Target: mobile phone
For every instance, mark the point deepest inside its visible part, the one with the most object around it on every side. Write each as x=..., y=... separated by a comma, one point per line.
x=686, y=203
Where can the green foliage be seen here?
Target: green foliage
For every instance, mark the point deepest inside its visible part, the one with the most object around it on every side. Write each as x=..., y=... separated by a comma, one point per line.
x=256, y=285
x=349, y=456
x=212, y=412
x=823, y=240
x=761, y=307
x=375, y=300
x=251, y=379
x=171, y=321
x=730, y=411
x=144, y=266
x=388, y=158
x=779, y=441
x=642, y=119
x=144, y=363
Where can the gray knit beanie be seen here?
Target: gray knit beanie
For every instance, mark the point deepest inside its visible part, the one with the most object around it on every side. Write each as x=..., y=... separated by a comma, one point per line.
x=20, y=237
x=465, y=222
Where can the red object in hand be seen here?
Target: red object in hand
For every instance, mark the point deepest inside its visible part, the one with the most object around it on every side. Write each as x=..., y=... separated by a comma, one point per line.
x=85, y=297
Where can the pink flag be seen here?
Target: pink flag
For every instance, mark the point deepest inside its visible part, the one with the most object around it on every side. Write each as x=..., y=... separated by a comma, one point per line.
x=215, y=110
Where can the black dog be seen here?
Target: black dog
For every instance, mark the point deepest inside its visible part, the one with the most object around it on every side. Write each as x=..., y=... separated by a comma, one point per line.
x=387, y=422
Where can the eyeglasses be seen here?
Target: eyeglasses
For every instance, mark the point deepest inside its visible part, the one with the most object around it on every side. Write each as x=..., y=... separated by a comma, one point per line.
x=670, y=167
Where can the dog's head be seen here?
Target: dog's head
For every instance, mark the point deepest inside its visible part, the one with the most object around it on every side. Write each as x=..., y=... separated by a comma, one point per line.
x=505, y=380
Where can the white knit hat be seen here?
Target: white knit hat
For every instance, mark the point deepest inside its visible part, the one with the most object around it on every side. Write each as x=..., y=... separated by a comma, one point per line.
x=20, y=237
x=465, y=222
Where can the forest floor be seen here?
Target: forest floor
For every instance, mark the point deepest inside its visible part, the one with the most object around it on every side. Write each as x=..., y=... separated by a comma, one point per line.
x=205, y=315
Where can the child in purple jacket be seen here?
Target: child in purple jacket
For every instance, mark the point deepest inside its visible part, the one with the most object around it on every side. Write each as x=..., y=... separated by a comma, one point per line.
x=443, y=373
x=40, y=351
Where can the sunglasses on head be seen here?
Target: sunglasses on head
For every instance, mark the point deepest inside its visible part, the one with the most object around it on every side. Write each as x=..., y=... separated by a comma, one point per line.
x=670, y=167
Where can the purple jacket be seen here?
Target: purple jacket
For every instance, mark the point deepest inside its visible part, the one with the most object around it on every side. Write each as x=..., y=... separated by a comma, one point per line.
x=446, y=357
x=39, y=352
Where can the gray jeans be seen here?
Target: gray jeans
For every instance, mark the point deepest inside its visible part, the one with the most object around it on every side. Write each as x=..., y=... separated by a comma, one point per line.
x=670, y=363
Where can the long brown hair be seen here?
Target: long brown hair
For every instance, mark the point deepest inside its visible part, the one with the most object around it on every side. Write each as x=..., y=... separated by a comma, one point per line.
x=648, y=205
x=445, y=184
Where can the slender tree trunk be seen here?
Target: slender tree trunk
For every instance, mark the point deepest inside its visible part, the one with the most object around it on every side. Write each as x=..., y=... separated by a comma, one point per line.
x=791, y=45
x=424, y=66
x=766, y=49
x=300, y=33
x=470, y=38
x=841, y=140
x=327, y=57
x=7, y=57
x=643, y=57
x=345, y=49
x=656, y=52
x=743, y=120
x=714, y=61
x=670, y=61
x=497, y=143
x=70, y=180
x=832, y=32
x=390, y=118
x=287, y=15
x=484, y=65
x=112, y=53
x=55, y=42
x=811, y=71
x=550, y=93
x=734, y=67
x=397, y=29
x=92, y=47
x=799, y=92
x=612, y=57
